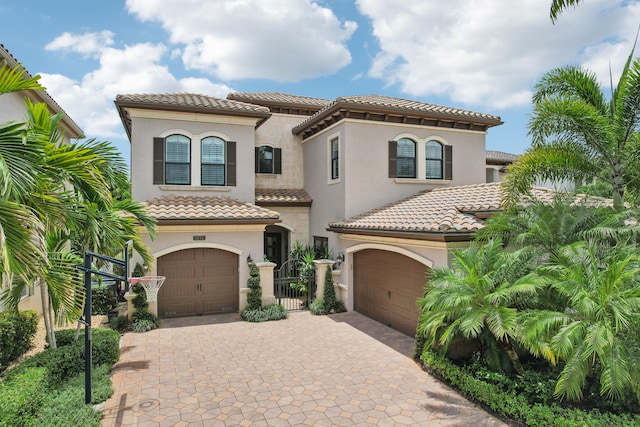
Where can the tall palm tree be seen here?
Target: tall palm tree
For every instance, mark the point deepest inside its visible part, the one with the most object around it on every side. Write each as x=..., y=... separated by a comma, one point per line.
x=559, y=6
x=603, y=296
x=577, y=134
x=476, y=299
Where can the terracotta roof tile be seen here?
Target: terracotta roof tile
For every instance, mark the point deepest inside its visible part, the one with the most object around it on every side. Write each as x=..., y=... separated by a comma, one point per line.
x=277, y=97
x=206, y=208
x=273, y=196
x=500, y=157
x=450, y=209
x=190, y=100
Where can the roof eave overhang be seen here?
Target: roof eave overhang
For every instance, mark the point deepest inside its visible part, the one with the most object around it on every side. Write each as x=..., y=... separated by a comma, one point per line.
x=444, y=236
x=247, y=221
x=285, y=204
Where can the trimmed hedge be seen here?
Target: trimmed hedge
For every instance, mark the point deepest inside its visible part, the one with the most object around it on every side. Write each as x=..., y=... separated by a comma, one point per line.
x=17, y=330
x=103, y=299
x=264, y=314
x=67, y=360
x=22, y=397
x=515, y=406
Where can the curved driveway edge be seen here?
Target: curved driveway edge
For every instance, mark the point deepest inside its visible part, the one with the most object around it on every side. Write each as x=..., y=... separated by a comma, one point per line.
x=342, y=370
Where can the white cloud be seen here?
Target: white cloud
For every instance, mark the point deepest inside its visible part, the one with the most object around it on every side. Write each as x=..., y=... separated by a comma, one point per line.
x=270, y=39
x=490, y=53
x=88, y=44
x=133, y=69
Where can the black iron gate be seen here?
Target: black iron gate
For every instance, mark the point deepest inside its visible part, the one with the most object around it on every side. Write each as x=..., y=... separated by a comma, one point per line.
x=294, y=286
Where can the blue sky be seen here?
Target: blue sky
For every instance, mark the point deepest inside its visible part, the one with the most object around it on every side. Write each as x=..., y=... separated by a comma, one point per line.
x=482, y=55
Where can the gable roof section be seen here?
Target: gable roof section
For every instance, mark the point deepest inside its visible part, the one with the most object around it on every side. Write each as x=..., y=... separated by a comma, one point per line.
x=207, y=209
x=282, y=102
x=42, y=95
x=500, y=158
x=395, y=110
x=282, y=197
x=444, y=214
x=187, y=102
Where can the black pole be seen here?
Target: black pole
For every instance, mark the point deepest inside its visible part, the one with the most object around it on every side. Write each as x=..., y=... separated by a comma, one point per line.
x=126, y=267
x=88, y=339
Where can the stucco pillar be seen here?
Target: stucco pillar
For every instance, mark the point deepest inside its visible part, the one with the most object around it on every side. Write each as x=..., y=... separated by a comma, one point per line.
x=321, y=269
x=341, y=289
x=266, y=282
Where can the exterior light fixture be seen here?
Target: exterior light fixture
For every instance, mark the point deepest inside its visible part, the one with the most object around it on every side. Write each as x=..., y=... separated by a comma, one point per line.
x=249, y=259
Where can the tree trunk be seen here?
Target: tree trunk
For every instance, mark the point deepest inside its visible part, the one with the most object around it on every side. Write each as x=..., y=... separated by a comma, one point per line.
x=513, y=356
x=46, y=314
x=617, y=182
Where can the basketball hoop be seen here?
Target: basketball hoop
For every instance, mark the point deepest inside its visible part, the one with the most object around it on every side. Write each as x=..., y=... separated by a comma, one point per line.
x=151, y=285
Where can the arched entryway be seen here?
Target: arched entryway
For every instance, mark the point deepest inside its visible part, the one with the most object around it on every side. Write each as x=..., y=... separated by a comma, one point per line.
x=198, y=281
x=276, y=244
x=386, y=286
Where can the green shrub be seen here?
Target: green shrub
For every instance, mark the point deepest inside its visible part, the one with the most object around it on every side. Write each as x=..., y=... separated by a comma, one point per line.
x=17, y=330
x=317, y=307
x=264, y=314
x=329, y=294
x=68, y=359
x=254, y=297
x=140, y=301
x=143, y=321
x=22, y=397
x=103, y=299
x=138, y=270
x=119, y=323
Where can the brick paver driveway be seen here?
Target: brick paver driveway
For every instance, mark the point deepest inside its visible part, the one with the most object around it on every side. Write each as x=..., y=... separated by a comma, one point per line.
x=340, y=370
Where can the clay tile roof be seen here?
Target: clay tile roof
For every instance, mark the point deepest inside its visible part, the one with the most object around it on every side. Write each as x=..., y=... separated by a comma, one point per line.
x=277, y=97
x=200, y=208
x=450, y=209
x=501, y=157
x=190, y=100
x=280, y=197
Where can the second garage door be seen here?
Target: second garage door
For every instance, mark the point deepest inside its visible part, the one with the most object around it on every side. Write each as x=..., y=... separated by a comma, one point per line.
x=386, y=287
x=199, y=281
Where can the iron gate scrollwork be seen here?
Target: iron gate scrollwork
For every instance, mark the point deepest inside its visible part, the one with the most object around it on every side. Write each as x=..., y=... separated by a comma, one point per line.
x=294, y=285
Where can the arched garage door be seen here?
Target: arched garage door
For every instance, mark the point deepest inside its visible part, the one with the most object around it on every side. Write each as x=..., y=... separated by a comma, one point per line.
x=199, y=281
x=386, y=286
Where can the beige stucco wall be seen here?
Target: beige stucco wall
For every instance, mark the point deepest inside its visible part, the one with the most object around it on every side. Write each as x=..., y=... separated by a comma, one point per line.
x=276, y=132
x=296, y=220
x=146, y=125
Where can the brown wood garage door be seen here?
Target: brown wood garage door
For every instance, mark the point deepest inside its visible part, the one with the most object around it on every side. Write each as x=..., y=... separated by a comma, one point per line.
x=386, y=286
x=199, y=281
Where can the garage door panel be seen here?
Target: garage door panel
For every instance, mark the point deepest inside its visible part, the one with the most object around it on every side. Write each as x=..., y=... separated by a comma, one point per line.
x=199, y=281
x=386, y=287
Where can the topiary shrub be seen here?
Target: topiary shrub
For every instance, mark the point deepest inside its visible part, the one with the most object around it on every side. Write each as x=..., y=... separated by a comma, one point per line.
x=254, y=297
x=103, y=299
x=264, y=314
x=17, y=329
x=138, y=270
x=22, y=397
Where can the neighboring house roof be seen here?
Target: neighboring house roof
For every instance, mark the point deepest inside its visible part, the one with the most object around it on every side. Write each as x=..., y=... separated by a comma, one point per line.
x=42, y=95
x=214, y=209
x=282, y=197
x=446, y=214
x=187, y=102
x=282, y=102
x=395, y=110
x=500, y=158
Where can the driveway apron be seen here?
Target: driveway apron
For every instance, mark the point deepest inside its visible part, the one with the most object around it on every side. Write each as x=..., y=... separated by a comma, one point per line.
x=338, y=370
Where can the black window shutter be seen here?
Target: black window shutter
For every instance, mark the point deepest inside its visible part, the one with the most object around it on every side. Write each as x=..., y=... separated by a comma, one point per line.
x=257, y=159
x=158, y=161
x=448, y=162
x=393, y=159
x=277, y=160
x=231, y=163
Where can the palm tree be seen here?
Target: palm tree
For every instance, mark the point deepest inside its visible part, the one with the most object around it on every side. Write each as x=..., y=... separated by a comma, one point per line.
x=578, y=135
x=590, y=334
x=558, y=6
x=476, y=299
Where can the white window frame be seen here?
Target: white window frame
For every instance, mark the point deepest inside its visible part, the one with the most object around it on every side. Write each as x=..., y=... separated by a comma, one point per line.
x=421, y=156
x=330, y=178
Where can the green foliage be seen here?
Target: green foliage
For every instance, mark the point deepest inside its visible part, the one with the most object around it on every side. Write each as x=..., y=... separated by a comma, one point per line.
x=143, y=321
x=140, y=301
x=22, y=397
x=119, y=323
x=318, y=308
x=254, y=297
x=264, y=314
x=17, y=329
x=103, y=299
x=138, y=270
x=68, y=359
x=329, y=294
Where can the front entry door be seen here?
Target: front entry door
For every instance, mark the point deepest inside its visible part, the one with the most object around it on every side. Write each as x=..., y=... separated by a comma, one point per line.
x=273, y=247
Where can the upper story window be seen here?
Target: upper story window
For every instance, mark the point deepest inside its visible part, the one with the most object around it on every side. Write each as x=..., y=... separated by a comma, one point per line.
x=213, y=162
x=268, y=159
x=406, y=158
x=434, y=158
x=177, y=160
x=335, y=158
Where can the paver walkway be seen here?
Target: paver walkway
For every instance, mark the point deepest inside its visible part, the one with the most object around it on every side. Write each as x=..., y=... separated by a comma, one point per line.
x=341, y=370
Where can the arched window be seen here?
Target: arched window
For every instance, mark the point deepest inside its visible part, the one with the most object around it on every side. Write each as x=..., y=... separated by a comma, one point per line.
x=213, y=161
x=434, y=157
x=406, y=155
x=178, y=160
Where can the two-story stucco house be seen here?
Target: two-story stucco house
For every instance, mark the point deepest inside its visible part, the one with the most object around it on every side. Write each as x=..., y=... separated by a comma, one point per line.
x=390, y=184
x=13, y=109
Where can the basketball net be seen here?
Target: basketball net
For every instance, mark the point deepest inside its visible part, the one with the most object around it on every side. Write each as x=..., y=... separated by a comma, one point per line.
x=151, y=285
